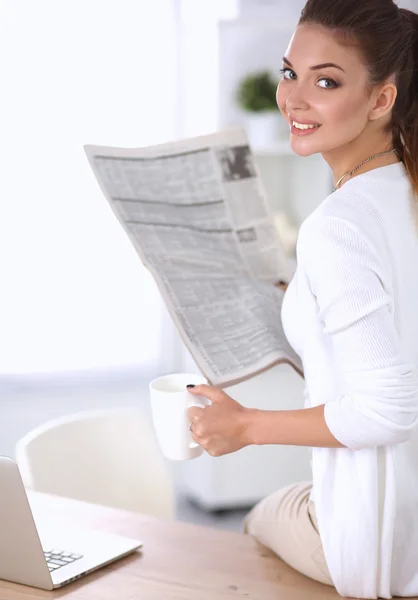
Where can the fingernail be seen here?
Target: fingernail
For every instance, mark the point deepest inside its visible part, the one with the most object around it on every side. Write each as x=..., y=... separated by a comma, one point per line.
x=190, y=385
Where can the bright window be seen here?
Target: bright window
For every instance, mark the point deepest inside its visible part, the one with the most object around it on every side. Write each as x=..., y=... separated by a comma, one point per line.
x=74, y=294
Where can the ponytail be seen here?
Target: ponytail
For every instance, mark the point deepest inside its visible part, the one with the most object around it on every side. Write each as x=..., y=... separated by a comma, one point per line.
x=405, y=114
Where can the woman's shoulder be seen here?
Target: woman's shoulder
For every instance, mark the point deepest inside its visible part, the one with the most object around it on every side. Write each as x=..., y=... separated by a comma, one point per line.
x=341, y=211
x=348, y=223
x=354, y=226
x=364, y=203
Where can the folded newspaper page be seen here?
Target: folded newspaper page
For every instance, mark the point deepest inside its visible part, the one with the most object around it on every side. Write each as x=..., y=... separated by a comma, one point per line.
x=197, y=214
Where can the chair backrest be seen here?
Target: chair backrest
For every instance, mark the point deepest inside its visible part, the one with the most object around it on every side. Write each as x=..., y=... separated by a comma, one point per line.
x=108, y=457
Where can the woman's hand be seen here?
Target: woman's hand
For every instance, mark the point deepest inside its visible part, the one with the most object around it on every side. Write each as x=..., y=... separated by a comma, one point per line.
x=222, y=427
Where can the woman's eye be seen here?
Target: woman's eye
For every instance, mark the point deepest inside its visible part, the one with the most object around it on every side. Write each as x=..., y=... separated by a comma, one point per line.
x=329, y=83
x=288, y=74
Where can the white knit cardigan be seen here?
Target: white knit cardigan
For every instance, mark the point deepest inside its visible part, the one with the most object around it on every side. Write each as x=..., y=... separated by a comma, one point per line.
x=351, y=313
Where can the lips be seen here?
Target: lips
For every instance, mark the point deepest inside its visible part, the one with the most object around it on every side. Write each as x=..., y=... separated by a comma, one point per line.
x=295, y=131
x=302, y=121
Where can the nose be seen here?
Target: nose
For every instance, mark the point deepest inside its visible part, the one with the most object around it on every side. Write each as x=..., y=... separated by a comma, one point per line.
x=292, y=98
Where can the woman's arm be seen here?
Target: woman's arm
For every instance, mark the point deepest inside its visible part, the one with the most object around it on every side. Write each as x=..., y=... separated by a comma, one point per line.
x=378, y=401
x=350, y=276
x=226, y=426
x=304, y=427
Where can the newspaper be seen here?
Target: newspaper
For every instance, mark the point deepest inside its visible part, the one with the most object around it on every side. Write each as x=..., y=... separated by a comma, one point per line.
x=197, y=214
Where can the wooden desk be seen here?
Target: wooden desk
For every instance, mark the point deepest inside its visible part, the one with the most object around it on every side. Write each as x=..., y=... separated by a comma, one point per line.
x=179, y=561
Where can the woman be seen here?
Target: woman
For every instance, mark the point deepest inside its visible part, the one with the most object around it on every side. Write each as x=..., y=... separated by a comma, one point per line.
x=349, y=91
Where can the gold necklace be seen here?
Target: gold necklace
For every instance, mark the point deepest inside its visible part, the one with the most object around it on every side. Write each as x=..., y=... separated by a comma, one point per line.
x=360, y=165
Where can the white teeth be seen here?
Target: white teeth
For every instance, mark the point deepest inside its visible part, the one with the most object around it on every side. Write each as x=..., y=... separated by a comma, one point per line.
x=301, y=126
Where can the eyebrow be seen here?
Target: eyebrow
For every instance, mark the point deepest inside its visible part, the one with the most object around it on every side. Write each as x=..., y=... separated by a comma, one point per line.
x=316, y=67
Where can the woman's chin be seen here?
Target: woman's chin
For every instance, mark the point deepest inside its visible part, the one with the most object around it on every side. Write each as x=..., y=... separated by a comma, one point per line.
x=302, y=149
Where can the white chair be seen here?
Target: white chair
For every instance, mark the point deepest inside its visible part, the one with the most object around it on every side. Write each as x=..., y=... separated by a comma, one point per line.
x=107, y=457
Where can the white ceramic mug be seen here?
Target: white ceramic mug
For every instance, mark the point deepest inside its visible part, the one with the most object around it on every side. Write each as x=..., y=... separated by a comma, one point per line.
x=169, y=403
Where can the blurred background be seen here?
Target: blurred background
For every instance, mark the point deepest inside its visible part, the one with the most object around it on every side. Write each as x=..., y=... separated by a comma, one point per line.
x=81, y=321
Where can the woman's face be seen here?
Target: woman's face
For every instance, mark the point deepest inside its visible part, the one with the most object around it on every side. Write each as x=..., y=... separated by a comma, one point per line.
x=336, y=99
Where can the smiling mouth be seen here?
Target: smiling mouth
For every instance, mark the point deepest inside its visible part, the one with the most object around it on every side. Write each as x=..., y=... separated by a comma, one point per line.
x=303, y=126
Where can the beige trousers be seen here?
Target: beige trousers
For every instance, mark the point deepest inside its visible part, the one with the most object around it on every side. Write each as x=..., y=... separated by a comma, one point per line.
x=286, y=523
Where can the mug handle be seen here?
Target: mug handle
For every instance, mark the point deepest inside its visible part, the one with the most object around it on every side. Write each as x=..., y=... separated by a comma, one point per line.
x=195, y=402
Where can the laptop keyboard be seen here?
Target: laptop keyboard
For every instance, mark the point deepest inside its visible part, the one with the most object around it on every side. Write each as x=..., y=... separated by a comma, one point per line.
x=60, y=558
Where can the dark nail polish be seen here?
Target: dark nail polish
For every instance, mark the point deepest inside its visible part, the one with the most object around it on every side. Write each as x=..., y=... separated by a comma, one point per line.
x=190, y=385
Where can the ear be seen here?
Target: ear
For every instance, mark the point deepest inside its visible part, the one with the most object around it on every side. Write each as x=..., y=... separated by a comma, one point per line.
x=383, y=100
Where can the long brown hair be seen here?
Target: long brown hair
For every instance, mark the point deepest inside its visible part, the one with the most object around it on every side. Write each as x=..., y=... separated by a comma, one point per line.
x=387, y=37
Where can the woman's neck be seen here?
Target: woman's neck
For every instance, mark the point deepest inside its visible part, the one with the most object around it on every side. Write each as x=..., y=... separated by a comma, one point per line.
x=374, y=163
x=345, y=159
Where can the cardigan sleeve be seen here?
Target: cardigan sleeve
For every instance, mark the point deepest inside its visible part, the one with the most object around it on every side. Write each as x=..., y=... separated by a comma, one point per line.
x=379, y=398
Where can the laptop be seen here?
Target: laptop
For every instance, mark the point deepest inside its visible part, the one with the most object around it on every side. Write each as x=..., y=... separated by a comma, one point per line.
x=47, y=558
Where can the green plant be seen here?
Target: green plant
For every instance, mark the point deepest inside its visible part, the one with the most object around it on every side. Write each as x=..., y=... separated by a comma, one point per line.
x=257, y=92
